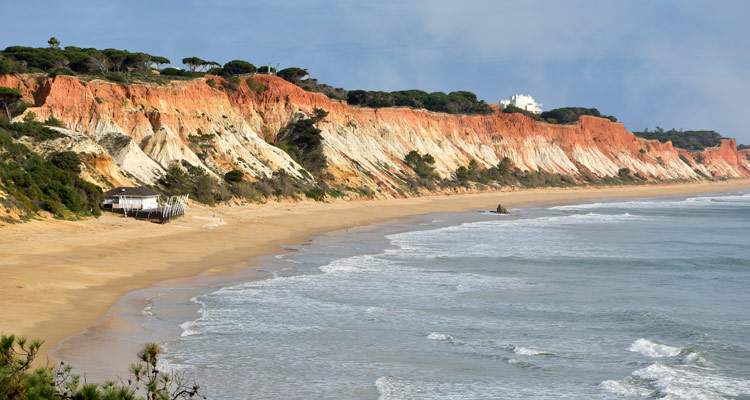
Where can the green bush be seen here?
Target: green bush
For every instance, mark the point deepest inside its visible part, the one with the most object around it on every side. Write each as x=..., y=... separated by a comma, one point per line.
x=32, y=129
x=302, y=141
x=510, y=109
x=316, y=194
x=235, y=175
x=194, y=181
x=66, y=160
x=52, y=121
x=20, y=381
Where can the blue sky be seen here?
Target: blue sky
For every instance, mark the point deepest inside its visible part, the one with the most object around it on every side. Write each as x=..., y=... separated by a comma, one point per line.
x=682, y=63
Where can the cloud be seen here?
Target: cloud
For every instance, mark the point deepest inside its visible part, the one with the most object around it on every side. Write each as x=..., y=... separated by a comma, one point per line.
x=673, y=63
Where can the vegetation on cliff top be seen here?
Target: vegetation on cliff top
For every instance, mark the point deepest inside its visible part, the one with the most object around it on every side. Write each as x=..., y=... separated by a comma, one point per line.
x=688, y=140
x=20, y=381
x=461, y=102
x=564, y=115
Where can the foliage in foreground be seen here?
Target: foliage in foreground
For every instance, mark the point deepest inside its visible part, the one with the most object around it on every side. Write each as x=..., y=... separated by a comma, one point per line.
x=19, y=381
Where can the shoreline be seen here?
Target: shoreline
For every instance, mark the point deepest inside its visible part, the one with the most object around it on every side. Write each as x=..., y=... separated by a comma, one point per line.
x=61, y=277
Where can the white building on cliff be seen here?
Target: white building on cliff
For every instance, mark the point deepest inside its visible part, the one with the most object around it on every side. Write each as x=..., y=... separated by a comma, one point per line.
x=523, y=102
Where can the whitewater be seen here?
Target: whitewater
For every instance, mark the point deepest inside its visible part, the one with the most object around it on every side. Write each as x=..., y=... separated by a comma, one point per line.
x=643, y=298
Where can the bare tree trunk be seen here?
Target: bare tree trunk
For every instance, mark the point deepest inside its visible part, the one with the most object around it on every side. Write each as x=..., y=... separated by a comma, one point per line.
x=7, y=111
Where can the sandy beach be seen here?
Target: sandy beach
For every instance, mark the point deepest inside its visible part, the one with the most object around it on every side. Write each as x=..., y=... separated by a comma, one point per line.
x=58, y=277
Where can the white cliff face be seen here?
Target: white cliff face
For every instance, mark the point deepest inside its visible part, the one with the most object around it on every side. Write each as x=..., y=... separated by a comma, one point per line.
x=130, y=158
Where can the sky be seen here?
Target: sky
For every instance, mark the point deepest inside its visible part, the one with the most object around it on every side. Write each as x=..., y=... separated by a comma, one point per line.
x=680, y=64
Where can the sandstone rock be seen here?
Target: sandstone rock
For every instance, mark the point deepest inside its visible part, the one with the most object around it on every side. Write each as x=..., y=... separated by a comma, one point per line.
x=365, y=147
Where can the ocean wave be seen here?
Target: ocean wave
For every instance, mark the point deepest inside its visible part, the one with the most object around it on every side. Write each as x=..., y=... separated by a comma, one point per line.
x=650, y=348
x=529, y=351
x=626, y=388
x=441, y=337
x=360, y=263
x=187, y=329
x=406, y=238
x=636, y=204
x=687, y=382
x=510, y=238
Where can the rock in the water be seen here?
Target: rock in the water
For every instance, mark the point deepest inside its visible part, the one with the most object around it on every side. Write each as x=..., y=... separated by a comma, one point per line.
x=501, y=209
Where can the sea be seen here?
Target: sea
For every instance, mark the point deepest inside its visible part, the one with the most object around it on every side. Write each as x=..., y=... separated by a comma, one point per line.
x=616, y=299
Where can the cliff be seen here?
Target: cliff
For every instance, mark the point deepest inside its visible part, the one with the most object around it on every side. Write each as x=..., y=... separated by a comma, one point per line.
x=132, y=133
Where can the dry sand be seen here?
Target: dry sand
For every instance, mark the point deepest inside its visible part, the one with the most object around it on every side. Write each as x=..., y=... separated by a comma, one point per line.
x=57, y=277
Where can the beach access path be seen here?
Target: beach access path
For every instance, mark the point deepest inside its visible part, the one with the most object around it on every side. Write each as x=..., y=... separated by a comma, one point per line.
x=58, y=277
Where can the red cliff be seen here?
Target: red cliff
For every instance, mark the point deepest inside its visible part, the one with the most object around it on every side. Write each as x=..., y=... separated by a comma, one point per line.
x=133, y=132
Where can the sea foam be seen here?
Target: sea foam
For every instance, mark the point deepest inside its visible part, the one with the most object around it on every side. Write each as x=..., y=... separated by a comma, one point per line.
x=650, y=348
x=529, y=351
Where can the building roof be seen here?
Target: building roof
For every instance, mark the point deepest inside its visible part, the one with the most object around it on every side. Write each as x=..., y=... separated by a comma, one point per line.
x=130, y=192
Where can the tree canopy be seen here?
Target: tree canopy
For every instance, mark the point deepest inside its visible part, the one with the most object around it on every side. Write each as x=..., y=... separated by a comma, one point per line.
x=76, y=59
x=293, y=74
x=571, y=115
x=688, y=140
x=239, y=67
x=460, y=102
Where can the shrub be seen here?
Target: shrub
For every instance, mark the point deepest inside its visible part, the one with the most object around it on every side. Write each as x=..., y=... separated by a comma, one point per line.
x=52, y=121
x=624, y=173
x=66, y=160
x=247, y=190
x=33, y=129
x=302, y=141
x=230, y=83
x=423, y=166
x=18, y=381
x=316, y=194
x=234, y=175
x=257, y=87
x=463, y=174
x=510, y=109
x=197, y=182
